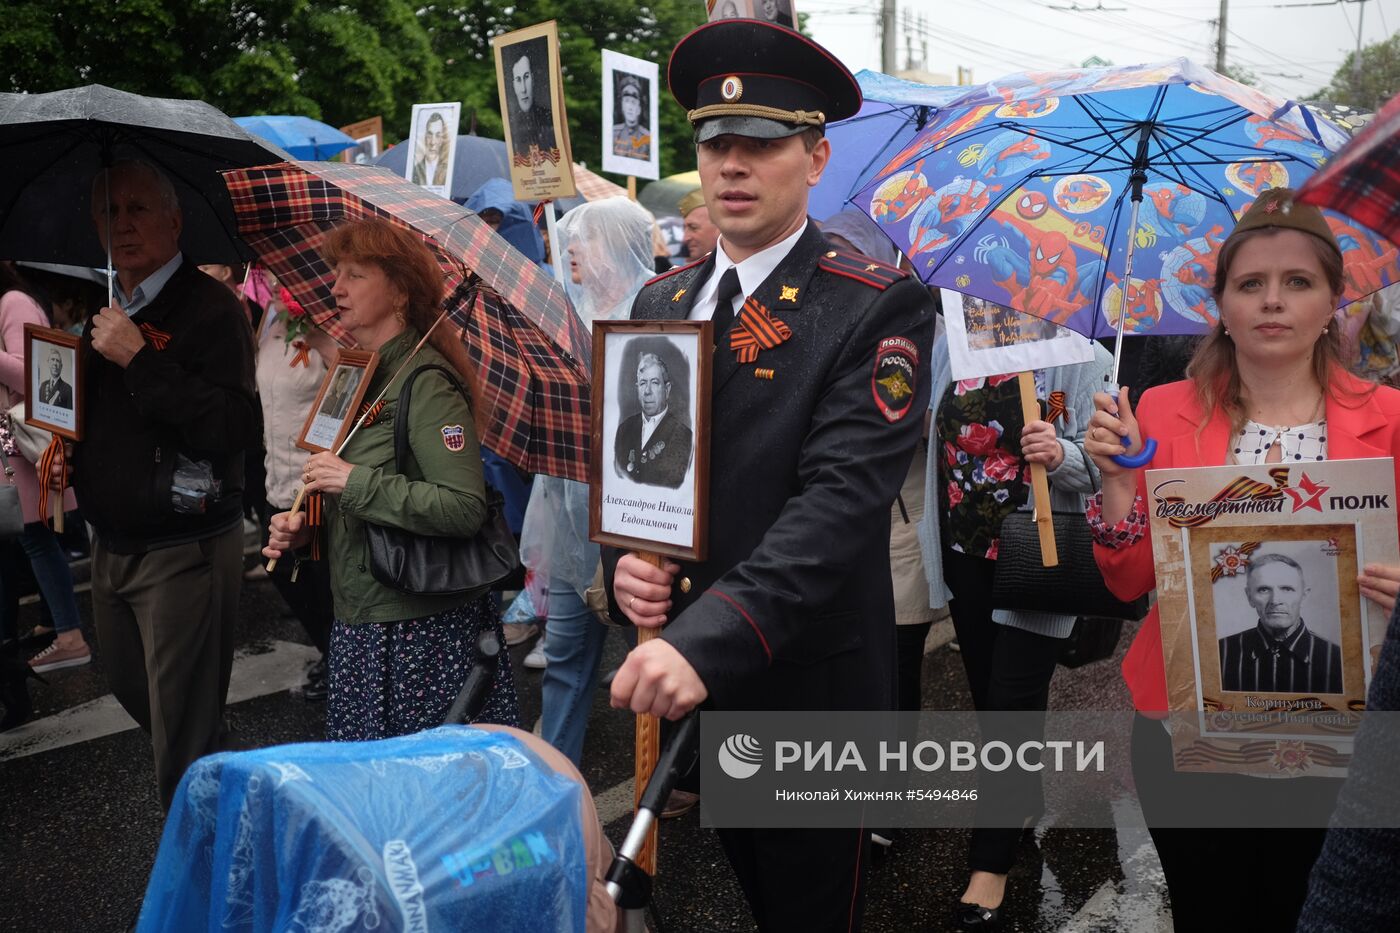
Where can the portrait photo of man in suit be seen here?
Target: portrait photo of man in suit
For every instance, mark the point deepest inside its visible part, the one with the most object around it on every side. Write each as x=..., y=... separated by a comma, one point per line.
x=653, y=445
x=55, y=390
x=530, y=113
x=430, y=162
x=1279, y=654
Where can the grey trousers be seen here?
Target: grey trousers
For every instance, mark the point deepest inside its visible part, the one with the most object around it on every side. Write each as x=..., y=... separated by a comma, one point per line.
x=165, y=621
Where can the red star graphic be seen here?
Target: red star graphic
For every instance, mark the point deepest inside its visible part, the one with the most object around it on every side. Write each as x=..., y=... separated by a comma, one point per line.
x=1271, y=207
x=1307, y=494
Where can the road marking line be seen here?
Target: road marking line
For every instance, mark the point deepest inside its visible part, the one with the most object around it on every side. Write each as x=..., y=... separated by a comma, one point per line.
x=254, y=675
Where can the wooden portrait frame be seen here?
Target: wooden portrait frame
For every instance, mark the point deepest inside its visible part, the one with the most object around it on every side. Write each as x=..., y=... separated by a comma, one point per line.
x=70, y=348
x=363, y=360
x=363, y=131
x=618, y=495
x=543, y=173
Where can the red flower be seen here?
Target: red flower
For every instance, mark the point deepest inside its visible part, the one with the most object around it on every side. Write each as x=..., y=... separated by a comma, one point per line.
x=955, y=495
x=965, y=386
x=294, y=308
x=994, y=549
x=1001, y=467
x=978, y=439
x=950, y=454
x=994, y=381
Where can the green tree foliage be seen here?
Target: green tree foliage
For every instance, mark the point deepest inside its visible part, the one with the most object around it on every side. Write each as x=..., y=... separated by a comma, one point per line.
x=341, y=60
x=1378, y=79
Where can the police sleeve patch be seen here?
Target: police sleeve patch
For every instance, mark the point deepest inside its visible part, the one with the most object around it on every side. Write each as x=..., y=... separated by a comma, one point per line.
x=892, y=381
x=454, y=437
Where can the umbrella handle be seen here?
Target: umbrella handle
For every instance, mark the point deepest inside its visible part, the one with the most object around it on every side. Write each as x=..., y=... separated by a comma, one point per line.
x=1140, y=459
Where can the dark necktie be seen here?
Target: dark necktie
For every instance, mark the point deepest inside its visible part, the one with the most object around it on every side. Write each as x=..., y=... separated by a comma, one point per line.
x=724, y=302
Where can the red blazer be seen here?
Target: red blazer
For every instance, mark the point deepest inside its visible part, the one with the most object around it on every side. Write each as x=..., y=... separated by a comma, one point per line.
x=1358, y=427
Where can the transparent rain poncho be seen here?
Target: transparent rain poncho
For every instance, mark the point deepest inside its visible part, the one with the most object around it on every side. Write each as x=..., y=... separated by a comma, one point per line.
x=607, y=245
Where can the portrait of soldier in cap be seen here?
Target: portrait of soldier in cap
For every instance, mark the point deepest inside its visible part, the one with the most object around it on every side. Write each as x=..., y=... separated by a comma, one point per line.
x=792, y=608
x=631, y=135
x=529, y=108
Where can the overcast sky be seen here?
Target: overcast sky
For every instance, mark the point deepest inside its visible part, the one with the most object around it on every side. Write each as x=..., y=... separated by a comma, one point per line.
x=1293, y=50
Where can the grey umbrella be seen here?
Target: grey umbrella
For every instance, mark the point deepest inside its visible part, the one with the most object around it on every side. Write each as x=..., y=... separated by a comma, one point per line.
x=55, y=143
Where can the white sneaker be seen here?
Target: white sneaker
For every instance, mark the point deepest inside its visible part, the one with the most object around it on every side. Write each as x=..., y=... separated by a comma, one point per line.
x=535, y=659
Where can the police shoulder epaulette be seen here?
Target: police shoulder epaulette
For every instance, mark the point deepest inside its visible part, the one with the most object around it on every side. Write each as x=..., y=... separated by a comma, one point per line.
x=863, y=269
x=670, y=272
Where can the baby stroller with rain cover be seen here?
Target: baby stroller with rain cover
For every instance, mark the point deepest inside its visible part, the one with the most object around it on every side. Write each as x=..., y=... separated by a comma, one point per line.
x=434, y=831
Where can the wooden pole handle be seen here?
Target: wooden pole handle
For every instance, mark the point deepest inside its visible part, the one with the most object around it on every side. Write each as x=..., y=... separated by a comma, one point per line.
x=296, y=507
x=1040, y=483
x=648, y=744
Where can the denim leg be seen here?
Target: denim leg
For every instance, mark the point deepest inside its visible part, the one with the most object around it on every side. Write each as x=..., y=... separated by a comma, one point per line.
x=52, y=573
x=573, y=644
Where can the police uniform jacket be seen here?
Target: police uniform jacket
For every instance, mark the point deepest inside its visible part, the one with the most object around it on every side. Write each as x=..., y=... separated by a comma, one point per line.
x=793, y=608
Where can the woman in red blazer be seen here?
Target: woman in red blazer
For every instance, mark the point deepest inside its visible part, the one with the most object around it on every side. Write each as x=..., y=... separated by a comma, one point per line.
x=1266, y=385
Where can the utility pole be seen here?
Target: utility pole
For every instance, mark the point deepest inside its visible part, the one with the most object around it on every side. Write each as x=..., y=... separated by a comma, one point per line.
x=1356, y=59
x=887, y=38
x=1220, y=40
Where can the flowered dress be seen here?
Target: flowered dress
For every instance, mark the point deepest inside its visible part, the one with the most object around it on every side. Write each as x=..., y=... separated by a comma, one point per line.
x=983, y=475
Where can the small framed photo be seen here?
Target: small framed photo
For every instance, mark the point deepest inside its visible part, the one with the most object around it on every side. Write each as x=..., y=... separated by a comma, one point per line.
x=369, y=140
x=53, y=371
x=630, y=116
x=649, y=474
x=339, y=400
x=729, y=9
x=532, y=103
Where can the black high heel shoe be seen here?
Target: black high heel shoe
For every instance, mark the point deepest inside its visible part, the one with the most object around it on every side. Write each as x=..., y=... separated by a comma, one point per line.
x=976, y=917
x=14, y=692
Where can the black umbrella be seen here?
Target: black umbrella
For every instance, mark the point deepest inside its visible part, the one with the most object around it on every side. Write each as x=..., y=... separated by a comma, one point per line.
x=54, y=144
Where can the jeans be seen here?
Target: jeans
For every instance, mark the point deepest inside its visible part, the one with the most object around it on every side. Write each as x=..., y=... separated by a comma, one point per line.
x=573, y=644
x=51, y=572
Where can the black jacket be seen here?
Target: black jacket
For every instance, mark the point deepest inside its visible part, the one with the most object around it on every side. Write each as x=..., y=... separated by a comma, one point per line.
x=189, y=391
x=793, y=608
x=666, y=456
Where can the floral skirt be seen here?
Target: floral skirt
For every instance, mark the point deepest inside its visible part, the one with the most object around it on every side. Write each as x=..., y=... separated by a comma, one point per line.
x=395, y=678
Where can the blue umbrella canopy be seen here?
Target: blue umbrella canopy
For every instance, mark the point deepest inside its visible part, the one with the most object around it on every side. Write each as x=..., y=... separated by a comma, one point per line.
x=303, y=137
x=1023, y=192
x=892, y=115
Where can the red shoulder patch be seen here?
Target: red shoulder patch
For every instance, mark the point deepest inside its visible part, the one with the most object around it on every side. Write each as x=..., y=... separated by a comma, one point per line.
x=863, y=269
x=670, y=272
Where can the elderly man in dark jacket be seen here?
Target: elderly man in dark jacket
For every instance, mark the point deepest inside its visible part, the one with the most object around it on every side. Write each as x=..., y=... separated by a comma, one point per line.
x=171, y=407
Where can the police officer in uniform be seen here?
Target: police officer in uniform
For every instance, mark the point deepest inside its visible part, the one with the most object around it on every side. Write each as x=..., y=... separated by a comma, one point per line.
x=819, y=385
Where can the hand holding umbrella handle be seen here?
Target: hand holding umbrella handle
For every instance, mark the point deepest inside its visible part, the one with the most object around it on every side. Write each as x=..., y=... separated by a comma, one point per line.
x=1140, y=459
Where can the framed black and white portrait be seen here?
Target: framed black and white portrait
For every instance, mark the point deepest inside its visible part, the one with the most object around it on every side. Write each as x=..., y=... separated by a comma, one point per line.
x=433, y=146
x=338, y=402
x=630, y=116
x=532, y=108
x=369, y=140
x=649, y=477
x=730, y=9
x=777, y=12
x=54, y=374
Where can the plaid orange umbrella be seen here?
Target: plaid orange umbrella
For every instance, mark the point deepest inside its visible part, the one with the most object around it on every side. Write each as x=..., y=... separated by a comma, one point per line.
x=514, y=336
x=1363, y=179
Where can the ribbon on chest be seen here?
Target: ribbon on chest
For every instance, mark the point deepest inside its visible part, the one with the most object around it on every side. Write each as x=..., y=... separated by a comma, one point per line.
x=757, y=329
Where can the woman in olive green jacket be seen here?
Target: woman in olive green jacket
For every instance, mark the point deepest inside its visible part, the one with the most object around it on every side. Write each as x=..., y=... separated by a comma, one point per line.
x=397, y=660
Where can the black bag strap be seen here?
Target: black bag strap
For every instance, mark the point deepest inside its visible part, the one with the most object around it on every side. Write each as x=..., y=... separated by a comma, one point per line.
x=401, y=410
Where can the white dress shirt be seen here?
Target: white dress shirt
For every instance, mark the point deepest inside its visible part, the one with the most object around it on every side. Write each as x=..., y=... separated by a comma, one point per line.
x=752, y=272
x=649, y=425
x=150, y=287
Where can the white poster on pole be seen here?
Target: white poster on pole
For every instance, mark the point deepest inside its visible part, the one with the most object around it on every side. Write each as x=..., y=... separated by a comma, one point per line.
x=630, y=116
x=988, y=339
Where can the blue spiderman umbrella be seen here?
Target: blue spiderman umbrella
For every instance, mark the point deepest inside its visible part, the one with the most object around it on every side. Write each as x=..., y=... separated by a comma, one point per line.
x=1098, y=198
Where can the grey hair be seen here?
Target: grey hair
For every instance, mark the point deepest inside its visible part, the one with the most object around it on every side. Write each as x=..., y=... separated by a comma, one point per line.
x=165, y=189
x=54, y=352
x=1264, y=560
x=651, y=359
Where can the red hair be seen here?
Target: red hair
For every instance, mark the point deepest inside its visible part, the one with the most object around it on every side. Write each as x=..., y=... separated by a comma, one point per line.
x=400, y=254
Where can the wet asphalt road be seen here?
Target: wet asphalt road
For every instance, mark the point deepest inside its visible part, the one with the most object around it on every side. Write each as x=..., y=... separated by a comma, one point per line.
x=80, y=823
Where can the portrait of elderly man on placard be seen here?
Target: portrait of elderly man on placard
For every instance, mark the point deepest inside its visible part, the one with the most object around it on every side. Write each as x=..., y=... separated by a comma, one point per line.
x=775, y=11
x=652, y=446
x=529, y=113
x=631, y=135
x=1279, y=654
x=430, y=163
x=55, y=390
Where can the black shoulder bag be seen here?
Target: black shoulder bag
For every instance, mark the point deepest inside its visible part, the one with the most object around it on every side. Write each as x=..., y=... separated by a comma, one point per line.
x=431, y=566
x=1074, y=587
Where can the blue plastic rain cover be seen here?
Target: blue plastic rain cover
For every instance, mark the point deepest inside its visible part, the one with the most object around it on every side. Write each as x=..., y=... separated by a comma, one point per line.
x=451, y=829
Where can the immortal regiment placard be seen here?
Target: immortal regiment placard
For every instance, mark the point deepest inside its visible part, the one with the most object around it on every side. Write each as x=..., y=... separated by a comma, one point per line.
x=369, y=140
x=648, y=476
x=988, y=339
x=630, y=116
x=433, y=146
x=1268, y=643
x=532, y=105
